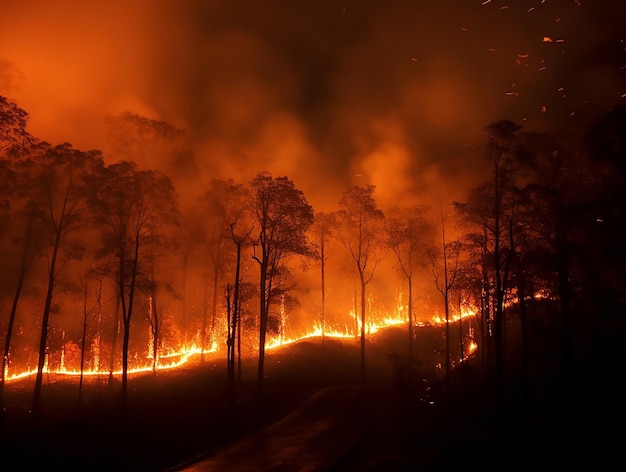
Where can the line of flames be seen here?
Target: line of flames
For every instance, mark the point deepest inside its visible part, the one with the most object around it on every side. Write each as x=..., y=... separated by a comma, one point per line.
x=184, y=355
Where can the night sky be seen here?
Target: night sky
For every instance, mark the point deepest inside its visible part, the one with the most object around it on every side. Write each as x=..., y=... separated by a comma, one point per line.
x=330, y=93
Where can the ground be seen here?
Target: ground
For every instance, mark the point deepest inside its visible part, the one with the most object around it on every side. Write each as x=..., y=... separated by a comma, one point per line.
x=177, y=415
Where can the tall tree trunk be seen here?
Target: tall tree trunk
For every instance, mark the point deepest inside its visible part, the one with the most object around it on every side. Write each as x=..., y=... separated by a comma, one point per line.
x=230, y=335
x=82, y=344
x=43, y=340
x=447, y=310
x=239, y=346
x=486, y=299
x=461, y=331
x=235, y=316
x=116, y=331
x=205, y=315
x=127, y=320
x=446, y=296
x=356, y=314
x=363, y=284
x=185, y=309
x=25, y=264
x=214, y=307
x=411, y=330
x=125, y=344
x=322, y=265
x=263, y=314
x=156, y=334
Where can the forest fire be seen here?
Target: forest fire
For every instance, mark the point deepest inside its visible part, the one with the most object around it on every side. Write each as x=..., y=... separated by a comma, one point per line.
x=465, y=312
x=189, y=186
x=171, y=358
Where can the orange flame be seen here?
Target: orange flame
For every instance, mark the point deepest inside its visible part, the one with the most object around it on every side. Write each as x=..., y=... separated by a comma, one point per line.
x=171, y=359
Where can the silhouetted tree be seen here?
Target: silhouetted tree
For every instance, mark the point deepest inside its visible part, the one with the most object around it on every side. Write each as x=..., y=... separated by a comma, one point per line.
x=408, y=235
x=62, y=186
x=446, y=268
x=362, y=234
x=136, y=208
x=16, y=210
x=15, y=141
x=161, y=262
x=158, y=145
x=22, y=245
x=487, y=210
x=474, y=218
x=522, y=218
x=213, y=238
x=88, y=310
x=247, y=291
x=283, y=215
x=232, y=204
x=156, y=285
x=323, y=228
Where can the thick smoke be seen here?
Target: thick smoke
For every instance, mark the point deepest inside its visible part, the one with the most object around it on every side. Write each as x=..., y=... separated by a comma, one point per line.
x=330, y=94
x=395, y=93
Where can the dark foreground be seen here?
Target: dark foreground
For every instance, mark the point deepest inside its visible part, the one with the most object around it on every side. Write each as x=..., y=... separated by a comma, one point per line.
x=316, y=414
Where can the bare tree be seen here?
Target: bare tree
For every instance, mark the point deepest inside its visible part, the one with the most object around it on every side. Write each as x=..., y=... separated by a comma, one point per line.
x=446, y=269
x=89, y=310
x=362, y=235
x=408, y=235
x=156, y=287
x=212, y=238
x=232, y=204
x=323, y=228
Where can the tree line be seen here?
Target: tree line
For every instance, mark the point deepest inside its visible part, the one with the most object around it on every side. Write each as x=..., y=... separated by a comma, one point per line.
x=542, y=229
